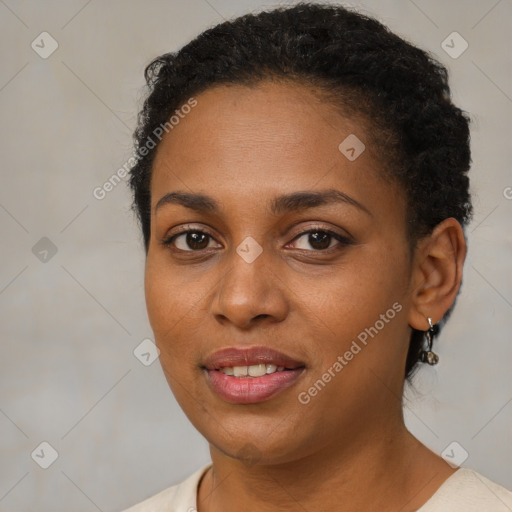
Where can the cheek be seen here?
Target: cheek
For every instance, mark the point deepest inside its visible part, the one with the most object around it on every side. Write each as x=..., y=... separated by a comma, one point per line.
x=365, y=283
x=362, y=299
x=173, y=319
x=177, y=307
x=167, y=302
x=160, y=302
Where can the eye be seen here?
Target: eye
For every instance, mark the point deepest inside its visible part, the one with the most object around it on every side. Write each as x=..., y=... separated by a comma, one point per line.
x=196, y=240
x=320, y=239
x=189, y=241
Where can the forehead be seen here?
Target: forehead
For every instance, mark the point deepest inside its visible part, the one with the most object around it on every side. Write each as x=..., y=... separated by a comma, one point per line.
x=235, y=121
x=270, y=136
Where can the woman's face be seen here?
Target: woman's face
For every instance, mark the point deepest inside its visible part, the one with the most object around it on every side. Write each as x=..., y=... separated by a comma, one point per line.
x=324, y=281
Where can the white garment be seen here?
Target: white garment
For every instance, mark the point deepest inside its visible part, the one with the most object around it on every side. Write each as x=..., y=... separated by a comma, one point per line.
x=464, y=491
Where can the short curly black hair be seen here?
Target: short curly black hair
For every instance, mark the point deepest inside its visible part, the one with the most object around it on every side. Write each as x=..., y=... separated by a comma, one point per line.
x=361, y=67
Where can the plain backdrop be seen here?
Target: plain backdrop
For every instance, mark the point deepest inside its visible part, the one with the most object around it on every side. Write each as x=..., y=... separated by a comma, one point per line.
x=71, y=275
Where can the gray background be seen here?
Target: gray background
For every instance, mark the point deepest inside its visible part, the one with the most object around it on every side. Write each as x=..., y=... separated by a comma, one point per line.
x=70, y=323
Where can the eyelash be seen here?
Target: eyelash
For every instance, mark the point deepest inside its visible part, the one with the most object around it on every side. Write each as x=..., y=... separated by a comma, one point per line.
x=343, y=240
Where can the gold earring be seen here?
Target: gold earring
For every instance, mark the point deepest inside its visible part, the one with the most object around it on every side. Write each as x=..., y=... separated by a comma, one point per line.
x=427, y=356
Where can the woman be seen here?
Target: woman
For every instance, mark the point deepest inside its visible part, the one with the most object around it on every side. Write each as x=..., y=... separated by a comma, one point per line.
x=302, y=189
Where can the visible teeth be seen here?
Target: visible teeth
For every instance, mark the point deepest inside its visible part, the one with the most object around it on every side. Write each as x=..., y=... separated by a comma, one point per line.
x=240, y=371
x=255, y=370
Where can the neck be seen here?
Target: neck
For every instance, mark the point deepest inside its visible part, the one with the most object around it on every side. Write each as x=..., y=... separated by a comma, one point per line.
x=371, y=472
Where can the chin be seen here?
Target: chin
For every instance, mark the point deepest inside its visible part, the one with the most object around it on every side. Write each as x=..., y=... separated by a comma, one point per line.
x=256, y=439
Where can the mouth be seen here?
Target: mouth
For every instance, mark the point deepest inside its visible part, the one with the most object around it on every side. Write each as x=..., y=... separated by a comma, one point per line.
x=254, y=370
x=251, y=375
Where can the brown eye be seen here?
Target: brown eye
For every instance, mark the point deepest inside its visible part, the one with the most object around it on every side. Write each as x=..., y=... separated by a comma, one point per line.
x=196, y=241
x=320, y=239
x=189, y=241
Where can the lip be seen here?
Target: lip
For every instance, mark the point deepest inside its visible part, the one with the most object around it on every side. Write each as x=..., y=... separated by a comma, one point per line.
x=250, y=390
x=248, y=356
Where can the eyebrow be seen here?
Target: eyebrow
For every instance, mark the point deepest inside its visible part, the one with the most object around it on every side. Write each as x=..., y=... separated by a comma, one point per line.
x=296, y=201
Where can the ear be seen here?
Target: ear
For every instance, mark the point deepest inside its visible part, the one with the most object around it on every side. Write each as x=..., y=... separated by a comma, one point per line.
x=437, y=273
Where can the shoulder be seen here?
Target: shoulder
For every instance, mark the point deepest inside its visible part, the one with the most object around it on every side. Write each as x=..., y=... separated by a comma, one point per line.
x=468, y=491
x=180, y=497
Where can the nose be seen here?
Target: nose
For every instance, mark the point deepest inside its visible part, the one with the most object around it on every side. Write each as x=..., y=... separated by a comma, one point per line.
x=250, y=292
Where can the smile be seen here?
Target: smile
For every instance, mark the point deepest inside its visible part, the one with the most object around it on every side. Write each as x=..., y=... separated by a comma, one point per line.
x=255, y=370
x=251, y=375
